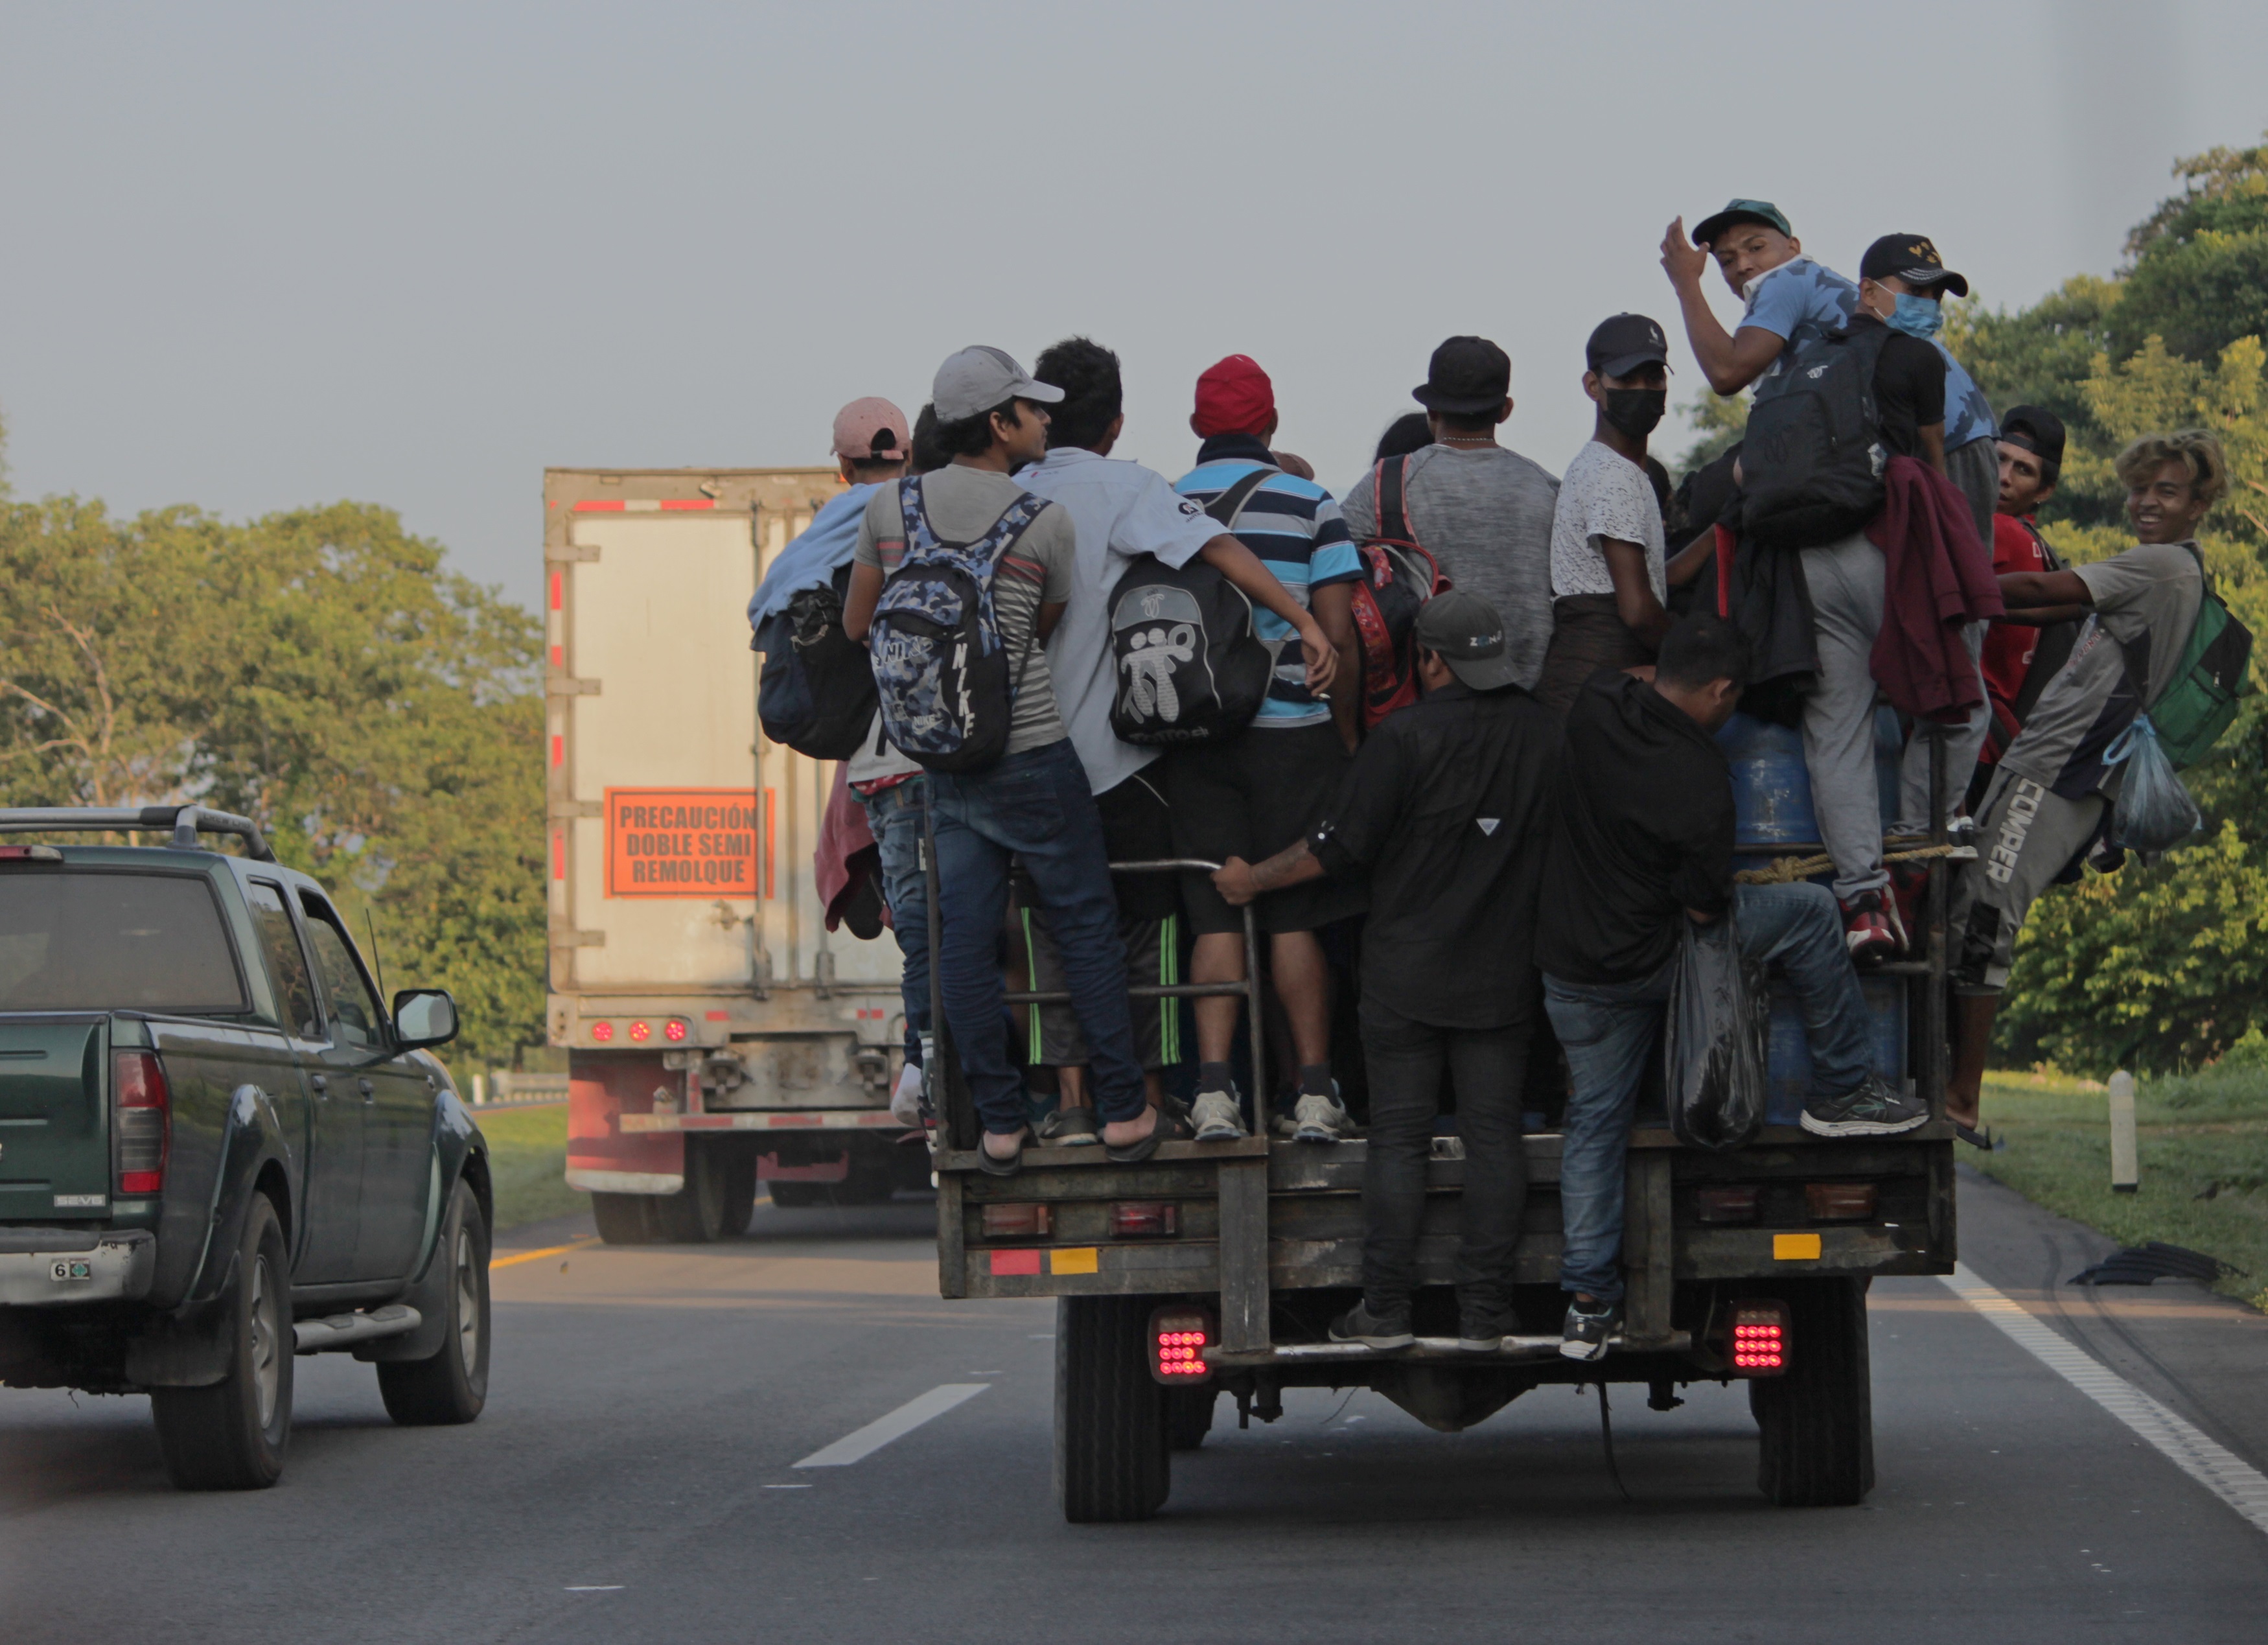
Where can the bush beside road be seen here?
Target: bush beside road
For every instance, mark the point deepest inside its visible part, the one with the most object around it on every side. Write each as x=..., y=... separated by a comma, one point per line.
x=2203, y=1143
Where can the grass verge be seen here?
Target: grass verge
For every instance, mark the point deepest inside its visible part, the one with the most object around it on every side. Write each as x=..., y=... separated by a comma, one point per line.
x=2202, y=1141
x=528, y=1158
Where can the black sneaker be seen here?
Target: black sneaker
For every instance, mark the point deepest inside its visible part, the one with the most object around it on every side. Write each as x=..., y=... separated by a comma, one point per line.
x=1583, y=1336
x=1875, y=1109
x=1483, y=1330
x=1359, y=1325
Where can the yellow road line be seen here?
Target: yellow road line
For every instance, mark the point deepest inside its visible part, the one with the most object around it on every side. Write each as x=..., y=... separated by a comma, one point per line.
x=530, y=1256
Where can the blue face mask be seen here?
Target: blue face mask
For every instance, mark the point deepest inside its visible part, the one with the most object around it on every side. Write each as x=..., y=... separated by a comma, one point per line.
x=1916, y=316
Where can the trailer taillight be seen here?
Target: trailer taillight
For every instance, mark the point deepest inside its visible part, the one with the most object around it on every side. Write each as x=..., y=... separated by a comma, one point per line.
x=674, y=1029
x=1180, y=1332
x=1144, y=1219
x=641, y=1032
x=141, y=1112
x=602, y=1032
x=1759, y=1344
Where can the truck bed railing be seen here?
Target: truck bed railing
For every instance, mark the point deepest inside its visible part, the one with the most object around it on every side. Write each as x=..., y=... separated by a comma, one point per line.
x=184, y=822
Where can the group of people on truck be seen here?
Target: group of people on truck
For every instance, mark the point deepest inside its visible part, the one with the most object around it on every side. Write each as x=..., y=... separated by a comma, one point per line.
x=1522, y=845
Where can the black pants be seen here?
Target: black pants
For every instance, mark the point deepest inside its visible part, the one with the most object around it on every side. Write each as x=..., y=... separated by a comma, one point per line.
x=1488, y=1067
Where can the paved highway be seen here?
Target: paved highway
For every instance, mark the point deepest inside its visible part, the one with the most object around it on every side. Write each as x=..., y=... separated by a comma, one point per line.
x=635, y=1478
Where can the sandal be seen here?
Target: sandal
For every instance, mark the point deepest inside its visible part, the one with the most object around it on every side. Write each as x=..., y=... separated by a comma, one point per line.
x=996, y=1165
x=1170, y=1128
x=1984, y=1139
x=1070, y=1128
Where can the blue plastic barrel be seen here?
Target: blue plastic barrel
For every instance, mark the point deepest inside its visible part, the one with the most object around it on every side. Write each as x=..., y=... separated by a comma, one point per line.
x=1772, y=788
x=1788, y=1075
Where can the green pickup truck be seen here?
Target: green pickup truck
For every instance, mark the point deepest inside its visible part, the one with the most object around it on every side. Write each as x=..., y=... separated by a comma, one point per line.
x=218, y=1149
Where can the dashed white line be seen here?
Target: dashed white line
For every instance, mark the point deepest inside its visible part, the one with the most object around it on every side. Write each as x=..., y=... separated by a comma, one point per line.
x=2227, y=1476
x=908, y=1417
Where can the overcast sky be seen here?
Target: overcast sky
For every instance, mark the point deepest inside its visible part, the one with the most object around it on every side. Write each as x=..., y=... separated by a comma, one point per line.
x=263, y=256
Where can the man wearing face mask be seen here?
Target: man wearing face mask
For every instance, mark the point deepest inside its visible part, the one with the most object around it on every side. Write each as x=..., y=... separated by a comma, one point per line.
x=1908, y=267
x=1608, y=577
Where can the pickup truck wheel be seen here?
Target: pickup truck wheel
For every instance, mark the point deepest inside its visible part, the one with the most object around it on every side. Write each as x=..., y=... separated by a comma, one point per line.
x=232, y=1436
x=1112, y=1463
x=1188, y=1415
x=1816, y=1422
x=623, y=1219
x=452, y=1385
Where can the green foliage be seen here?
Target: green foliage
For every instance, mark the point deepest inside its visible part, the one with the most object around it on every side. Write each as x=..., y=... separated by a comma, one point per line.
x=1718, y=422
x=2199, y=279
x=320, y=671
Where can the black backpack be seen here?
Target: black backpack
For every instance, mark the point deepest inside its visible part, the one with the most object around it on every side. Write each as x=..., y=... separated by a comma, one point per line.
x=816, y=693
x=946, y=687
x=1812, y=458
x=1188, y=666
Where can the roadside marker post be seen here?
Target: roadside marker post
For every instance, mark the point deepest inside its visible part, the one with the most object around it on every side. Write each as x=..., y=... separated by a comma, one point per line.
x=2125, y=1172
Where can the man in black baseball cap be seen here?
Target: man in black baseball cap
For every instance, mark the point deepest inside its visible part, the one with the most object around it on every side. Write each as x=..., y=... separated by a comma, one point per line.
x=1448, y=808
x=1912, y=260
x=1907, y=267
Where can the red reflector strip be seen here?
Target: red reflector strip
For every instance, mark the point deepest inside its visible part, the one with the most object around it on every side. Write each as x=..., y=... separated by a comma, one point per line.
x=645, y=505
x=718, y=1016
x=1009, y=1264
x=558, y=591
x=559, y=750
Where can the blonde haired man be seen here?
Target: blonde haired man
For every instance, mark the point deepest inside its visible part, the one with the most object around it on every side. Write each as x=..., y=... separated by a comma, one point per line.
x=2048, y=797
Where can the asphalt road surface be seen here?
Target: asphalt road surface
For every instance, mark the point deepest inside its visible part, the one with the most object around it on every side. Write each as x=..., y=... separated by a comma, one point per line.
x=635, y=1478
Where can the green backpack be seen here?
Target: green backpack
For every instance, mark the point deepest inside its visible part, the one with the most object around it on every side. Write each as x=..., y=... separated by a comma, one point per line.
x=2199, y=702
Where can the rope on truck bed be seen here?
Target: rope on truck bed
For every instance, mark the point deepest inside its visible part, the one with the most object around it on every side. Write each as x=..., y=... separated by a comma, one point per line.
x=1787, y=870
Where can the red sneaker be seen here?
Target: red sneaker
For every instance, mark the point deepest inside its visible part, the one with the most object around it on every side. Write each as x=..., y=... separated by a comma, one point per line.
x=1867, y=930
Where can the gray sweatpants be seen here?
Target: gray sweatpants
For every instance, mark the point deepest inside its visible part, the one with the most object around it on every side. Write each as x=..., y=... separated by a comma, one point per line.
x=1845, y=579
x=2026, y=835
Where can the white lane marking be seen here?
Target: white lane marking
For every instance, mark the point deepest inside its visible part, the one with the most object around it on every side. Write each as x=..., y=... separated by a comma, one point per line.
x=2227, y=1476
x=908, y=1417
x=787, y=1487
x=597, y=1588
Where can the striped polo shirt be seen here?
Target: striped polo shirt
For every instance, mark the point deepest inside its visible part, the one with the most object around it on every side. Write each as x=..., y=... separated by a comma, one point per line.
x=1294, y=525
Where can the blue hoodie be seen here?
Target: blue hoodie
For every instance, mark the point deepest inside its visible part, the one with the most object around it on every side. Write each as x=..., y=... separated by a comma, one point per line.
x=824, y=547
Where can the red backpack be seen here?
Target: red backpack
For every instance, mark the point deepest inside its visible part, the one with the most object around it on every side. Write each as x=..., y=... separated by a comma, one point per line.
x=1398, y=576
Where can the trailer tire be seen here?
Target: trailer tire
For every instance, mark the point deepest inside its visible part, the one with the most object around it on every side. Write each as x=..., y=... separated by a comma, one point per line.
x=1816, y=1422
x=694, y=1214
x=1112, y=1460
x=452, y=1385
x=232, y=1434
x=740, y=1192
x=1189, y=1416
x=624, y=1219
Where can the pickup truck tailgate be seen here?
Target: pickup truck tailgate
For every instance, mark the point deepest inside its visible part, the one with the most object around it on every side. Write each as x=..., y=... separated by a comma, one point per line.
x=55, y=1130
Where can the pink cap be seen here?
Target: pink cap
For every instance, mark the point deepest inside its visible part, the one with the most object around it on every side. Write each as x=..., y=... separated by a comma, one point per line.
x=859, y=425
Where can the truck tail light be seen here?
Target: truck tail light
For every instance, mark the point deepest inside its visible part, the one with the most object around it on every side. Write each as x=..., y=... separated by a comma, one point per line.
x=673, y=1030
x=141, y=1120
x=602, y=1032
x=1024, y=1222
x=1839, y=1202
x=1727, y=1202
x=1760, y=1341
x=641, y=1032
x=1180, y=1332
x=1144, y=1219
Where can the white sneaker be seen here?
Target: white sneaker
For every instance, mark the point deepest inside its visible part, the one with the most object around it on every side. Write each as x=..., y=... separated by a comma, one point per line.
x=1319, y=1119
x=1215, y=1116
x=905, y=1099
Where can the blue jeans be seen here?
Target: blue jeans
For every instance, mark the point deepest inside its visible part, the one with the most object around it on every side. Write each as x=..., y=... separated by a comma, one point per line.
x=1608, y=1030
x=1036, y=806
x=893, y=816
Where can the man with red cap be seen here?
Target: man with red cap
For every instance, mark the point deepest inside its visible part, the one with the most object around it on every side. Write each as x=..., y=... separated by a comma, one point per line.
x=1252, y=794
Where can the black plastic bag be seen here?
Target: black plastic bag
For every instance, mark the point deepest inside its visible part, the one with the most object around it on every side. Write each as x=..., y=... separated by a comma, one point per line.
x=1715, y=1052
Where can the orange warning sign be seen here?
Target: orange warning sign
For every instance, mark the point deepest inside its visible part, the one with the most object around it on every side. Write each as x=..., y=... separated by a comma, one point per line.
x=681, y=842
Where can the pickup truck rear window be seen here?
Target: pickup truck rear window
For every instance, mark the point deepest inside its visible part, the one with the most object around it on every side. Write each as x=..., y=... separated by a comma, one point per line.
x=114, y=942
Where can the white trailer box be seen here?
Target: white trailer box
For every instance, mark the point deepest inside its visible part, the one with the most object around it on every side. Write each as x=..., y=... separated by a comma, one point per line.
x=715, y=1027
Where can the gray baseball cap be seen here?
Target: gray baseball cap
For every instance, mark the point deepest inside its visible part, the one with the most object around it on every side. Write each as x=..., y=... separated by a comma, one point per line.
x=979, y=378
x=1469, y=634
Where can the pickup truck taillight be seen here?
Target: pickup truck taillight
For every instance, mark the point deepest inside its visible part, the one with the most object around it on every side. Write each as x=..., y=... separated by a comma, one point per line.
x=141, y=1120
x=1179, y=1334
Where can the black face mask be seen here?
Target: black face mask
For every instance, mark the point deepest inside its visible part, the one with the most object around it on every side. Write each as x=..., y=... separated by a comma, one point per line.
x=1634, y=412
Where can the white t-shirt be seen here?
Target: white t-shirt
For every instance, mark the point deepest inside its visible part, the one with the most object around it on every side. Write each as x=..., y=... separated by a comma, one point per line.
x=1120, y=509
x=1604, y=495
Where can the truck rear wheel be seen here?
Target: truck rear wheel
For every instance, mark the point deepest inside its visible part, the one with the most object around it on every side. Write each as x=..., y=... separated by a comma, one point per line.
x=694, y=1214
x=452, y=1385
x=1188, y=1415
x=232, y=1436
x=740, y=1192
x=1112, y=1463
x=1816, y=1422
x=624, y=1219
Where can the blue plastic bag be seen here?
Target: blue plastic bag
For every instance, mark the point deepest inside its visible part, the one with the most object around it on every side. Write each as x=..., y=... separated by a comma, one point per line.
x=2154, y=812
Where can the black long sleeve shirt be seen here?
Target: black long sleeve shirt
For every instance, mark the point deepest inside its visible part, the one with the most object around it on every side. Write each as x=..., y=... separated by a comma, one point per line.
x=1449, y=805
x=1642, y=829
